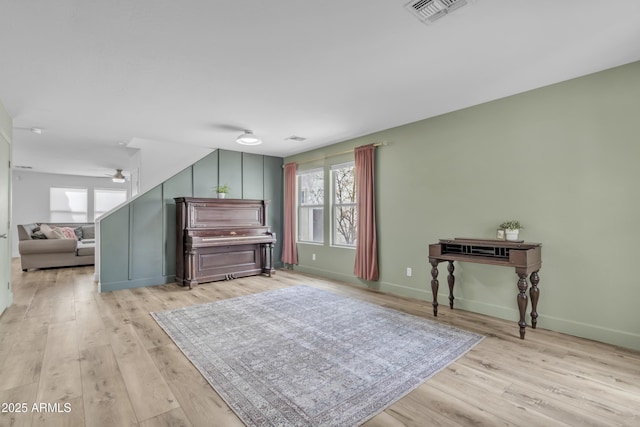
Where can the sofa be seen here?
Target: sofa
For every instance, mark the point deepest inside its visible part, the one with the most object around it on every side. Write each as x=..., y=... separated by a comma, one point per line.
x=45, y=245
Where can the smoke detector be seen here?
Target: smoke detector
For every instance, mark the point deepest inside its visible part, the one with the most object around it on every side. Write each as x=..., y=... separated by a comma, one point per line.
x=429, y=11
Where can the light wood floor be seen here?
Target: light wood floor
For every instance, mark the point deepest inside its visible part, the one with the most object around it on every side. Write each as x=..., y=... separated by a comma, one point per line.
x=105, y=358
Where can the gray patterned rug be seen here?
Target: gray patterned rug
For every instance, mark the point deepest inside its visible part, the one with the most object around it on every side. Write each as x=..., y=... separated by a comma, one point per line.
x=301, y=356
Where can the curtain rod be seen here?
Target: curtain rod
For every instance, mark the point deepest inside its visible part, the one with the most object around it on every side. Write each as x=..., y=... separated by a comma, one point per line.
x=377, y=144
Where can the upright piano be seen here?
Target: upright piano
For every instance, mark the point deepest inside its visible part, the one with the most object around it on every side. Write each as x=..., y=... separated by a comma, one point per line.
x=221, y=239
x=524, y=257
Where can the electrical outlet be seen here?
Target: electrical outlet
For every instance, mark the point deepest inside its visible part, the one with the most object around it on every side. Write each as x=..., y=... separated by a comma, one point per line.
x=409, y=271
x=313, y=257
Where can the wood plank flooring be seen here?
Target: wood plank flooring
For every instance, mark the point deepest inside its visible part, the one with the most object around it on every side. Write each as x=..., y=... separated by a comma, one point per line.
x=105, y=359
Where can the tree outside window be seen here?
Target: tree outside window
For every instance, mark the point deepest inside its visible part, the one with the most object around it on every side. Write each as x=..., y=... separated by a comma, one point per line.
x=344, y=204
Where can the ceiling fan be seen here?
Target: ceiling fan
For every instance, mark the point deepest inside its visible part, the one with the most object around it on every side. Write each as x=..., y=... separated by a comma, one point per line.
x=118, y=176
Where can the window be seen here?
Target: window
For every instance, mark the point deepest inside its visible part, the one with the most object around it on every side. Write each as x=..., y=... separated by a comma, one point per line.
x=311, y=206
x=106, y=199
x=343, y=227
x=67, y=204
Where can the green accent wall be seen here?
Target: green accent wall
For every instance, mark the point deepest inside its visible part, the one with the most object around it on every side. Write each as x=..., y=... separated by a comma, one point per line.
x=561, y=159
x=137, y=241
x=230, y=172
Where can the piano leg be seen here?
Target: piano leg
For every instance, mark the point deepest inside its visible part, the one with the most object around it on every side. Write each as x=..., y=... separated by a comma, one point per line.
x=451, y=279
x=534, y=292
x=271, y=271
x=434, y=285
x=522, y=302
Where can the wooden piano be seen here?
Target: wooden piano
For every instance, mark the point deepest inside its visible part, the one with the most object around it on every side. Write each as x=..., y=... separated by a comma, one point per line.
x=221, y=239
x=524, y=257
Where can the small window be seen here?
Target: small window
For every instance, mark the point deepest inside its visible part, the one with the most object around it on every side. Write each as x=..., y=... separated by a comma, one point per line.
x=68, y=204
x=106, y=199
x=343, y=224
x=311, y=206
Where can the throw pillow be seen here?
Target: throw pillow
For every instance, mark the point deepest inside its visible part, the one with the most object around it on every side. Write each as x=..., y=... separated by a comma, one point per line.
x=68, y=233
x=78, y=231
x=48, y=231
x=38, y=235
x=88, y=232
x=58, y=232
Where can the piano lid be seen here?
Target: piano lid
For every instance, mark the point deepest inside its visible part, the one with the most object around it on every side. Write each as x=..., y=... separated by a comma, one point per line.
x=223, y=213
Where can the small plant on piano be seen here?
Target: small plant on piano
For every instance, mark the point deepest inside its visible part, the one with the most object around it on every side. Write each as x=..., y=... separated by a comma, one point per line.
x=511, y=225
x=512, y=229
x=222, y=190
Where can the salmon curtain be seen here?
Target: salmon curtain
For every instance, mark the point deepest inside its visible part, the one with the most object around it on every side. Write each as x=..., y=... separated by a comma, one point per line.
x=289, y=250
x=366, y=265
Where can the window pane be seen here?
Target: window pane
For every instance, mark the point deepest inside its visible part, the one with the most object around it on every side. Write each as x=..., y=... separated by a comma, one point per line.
x=67, y=204
x=310, y=224
x=344, y=185
x=344, y=221
x=106, y=199
x=311, y=188
x=311, y=206
x=344, y=225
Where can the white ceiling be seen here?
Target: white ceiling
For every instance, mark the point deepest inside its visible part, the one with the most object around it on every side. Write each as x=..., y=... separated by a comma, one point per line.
x=97, y=74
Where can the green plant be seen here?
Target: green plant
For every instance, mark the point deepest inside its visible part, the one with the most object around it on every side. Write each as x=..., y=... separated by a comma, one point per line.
x=222, y=188
x=511, y=225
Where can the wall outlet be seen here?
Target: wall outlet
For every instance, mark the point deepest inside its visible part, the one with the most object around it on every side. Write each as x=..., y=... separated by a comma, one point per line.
x=409, y=271
x=313, y=257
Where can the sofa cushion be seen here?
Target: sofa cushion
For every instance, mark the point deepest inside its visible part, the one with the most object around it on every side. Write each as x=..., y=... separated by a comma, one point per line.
x=78, y=231
x=85, y=248
x=88, y=231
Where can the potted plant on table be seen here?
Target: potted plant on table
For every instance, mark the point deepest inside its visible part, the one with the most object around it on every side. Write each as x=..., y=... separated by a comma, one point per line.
x=512, y=229
x=222, y=191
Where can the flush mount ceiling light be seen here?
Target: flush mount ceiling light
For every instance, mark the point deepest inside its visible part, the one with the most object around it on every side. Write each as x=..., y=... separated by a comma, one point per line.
x=118, y=177
x=248, y=138
x=429, y=11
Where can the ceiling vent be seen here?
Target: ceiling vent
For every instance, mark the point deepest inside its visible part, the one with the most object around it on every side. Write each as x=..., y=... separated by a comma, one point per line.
x=429, y=11
x=295, y=138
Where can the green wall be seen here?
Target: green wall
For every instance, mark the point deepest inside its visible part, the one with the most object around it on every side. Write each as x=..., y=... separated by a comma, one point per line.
x=561, y=159
x=138, y=240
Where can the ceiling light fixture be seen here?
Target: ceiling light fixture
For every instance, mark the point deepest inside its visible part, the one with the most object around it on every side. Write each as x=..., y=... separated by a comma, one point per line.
x=248, y=138
x=118, y=177
x=431, y=10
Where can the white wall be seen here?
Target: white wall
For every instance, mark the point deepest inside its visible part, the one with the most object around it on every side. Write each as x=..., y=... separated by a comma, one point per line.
x=157, y=161
x=31, y=195
x=6, y=137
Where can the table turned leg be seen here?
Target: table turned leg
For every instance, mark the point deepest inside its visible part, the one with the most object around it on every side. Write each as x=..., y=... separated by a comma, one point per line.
x=452, y=280
x=534, y=292
x=434, y=285
x=522, y=302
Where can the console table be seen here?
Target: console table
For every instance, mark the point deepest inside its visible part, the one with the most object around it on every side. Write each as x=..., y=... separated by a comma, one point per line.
x=524, y=257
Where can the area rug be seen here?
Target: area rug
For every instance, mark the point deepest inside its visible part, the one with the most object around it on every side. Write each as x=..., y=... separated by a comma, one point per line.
x=301, y=356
